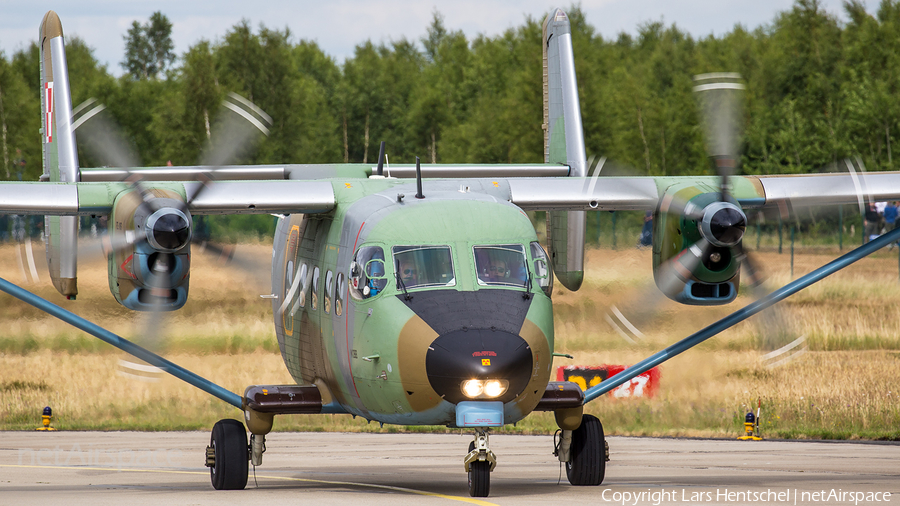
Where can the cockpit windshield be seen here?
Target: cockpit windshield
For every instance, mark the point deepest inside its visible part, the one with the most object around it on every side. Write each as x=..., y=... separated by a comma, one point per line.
x=420, y=266
x=502, y=264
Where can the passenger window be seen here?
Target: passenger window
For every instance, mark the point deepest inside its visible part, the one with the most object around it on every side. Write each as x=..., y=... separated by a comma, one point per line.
x=367, y=273
x=543, y=275
x=339, y=295
x=289, y=280
x=501, y=265
x=290, y=287
x=315, y=289
x=329, y=287
x=419, y=266
x=304, y=281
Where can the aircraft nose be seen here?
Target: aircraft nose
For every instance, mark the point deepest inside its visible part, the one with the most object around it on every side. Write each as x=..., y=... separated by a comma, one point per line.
x=497, y=363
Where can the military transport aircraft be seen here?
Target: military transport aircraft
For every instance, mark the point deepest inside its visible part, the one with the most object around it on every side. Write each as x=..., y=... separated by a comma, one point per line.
x=425, y=302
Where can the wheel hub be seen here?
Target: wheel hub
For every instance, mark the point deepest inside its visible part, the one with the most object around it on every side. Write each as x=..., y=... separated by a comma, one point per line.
x=211, y=456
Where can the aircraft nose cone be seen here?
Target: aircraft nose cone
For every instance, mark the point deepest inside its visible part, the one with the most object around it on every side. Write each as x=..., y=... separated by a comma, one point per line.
x=483, y=354
x=728, y=226
x=171, y=232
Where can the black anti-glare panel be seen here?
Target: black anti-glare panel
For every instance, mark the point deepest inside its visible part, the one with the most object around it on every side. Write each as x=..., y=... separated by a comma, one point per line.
x=448, y=310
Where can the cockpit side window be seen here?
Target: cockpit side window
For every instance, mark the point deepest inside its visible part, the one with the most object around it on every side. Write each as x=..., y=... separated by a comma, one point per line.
x=367, y=273
x=543, y=275
x=502, y=264
x=421, y=266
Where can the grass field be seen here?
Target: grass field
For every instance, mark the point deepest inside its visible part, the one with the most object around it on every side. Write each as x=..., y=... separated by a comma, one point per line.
x=844, y=387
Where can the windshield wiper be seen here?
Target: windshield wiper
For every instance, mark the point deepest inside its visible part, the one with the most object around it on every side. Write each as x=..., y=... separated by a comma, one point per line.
x=527, y=294
x=400, y=284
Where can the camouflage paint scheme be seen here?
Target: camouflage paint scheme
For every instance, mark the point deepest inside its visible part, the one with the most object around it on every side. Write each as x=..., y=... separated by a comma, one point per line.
x=327, y=347
x=674, y=231
x=370, y=356
x=128, y=265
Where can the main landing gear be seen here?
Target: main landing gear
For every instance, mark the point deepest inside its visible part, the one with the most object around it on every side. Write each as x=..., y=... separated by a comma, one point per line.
x=227, y=455
x=585, y=452
x=479, y=463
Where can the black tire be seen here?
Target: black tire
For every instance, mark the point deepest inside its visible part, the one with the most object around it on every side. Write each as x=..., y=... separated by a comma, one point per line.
x=229, y=441
x=479, y=476
x=588, y=463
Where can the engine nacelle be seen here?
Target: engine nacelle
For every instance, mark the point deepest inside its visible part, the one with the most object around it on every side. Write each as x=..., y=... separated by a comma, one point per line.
x=696, y=244
x=149, y=257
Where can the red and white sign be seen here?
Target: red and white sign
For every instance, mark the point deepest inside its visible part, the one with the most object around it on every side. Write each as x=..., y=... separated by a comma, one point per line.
x=48, y=111
x=645, y=384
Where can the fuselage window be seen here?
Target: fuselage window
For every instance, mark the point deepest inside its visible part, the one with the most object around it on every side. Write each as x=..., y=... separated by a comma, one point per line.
x=304, y=284
x=367, y=273
x=291, y=285
x=421, y=266
x=289, y=278
x=315, y=289
x=543, y=275
x=502, y=264
x=339, y=295
x=329, y=287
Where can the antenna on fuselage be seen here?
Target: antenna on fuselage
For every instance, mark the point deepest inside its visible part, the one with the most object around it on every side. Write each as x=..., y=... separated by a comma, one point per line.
x=419, y=180
x=380, y=170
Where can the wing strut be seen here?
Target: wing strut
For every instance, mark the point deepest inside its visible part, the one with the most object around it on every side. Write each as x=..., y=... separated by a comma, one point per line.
x=741, y=314
x=121, y=343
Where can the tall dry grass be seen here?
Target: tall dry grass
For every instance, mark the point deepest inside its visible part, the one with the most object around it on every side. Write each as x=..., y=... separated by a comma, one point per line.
x=844, y=387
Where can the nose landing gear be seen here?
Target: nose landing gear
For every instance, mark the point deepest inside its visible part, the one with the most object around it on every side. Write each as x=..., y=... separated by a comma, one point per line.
x=479, y=463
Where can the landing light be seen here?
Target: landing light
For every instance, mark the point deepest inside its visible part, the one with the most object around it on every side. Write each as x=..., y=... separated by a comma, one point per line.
x=491, y=388
x=473, y=388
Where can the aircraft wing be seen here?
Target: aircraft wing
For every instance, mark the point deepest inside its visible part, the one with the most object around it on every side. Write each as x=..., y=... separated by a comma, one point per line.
x=321, y=171
x=753, y=192
x=831, y=189
x=290, y=196
x=578, y=193
x=221, y=197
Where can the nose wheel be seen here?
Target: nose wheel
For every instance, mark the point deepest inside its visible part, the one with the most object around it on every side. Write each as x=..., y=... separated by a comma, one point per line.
x=479, y=463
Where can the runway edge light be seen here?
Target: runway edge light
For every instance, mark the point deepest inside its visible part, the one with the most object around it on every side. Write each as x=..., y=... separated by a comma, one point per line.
x=46, y=417
x=751, y=425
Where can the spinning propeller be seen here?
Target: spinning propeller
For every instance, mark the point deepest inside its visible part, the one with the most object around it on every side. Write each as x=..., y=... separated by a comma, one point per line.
x=170, y=228
x=721, y=223
x=151, y=228
x=709, y=221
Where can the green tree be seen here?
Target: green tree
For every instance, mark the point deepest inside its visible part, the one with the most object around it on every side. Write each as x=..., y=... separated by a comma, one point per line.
x=13, y=106
x=149, y=50
x=440, y=98
x=871, y=83
x=22, y=104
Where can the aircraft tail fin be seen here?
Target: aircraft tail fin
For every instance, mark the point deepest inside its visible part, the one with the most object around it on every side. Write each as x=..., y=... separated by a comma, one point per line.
x=60, y=154
x=563, y=133
x=563, y=144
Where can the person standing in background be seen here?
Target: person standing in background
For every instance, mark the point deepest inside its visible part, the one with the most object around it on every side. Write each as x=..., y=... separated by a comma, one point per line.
x=890, y=219
x=872, y=223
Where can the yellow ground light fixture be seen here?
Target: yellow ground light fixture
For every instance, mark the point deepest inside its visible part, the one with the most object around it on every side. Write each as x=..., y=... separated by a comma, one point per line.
x=46, y=417
x=751, y=425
